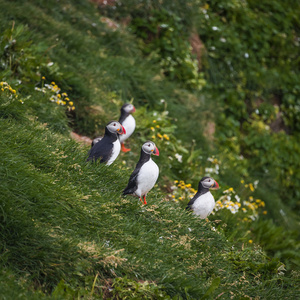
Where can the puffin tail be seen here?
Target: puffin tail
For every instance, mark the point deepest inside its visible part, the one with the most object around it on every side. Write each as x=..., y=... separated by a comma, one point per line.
x=188, y=207
x=128, y=191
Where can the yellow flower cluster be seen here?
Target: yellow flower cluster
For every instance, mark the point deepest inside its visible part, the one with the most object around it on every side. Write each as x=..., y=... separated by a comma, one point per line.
x=228, y=201
x=9, y=91
x=5, y=86
x=231, y=200
x=182, y=191
x=56, y=97
x=158, y=134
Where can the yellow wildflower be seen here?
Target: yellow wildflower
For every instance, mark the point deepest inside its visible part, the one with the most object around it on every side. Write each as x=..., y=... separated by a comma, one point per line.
x=188, y=185
x=159, y=135
x=153, y=137
x=2, y=89
x=58, y=95
x=251, y=187
x=71, y=103
x=251, y=198
x=242, y=181
x=152, y=128
x=230, y=189
x=67, y=99
x=265, y=212
x=64, y=94
x=154, y=121
x=157, y=126
x=251, y=206
x=173, y=196
x=176, y=181
x=166, y=137
x=43, y=78
x=53, y=83
x=250, y=241
x=73, y=107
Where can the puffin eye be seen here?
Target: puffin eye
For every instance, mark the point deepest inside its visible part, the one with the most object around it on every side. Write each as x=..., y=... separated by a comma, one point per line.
x=149, y=145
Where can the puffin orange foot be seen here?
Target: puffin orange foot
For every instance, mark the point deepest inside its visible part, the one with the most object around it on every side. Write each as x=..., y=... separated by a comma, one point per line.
x=124, y=149
x=145, y=202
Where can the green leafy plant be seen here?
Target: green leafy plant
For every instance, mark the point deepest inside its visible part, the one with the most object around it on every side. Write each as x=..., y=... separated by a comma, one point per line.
x=165, y=42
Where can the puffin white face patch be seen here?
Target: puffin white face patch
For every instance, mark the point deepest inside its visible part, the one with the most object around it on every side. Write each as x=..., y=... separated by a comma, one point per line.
x=129, y=108
x=114, y=127
x=208, y=182
x=149, y=147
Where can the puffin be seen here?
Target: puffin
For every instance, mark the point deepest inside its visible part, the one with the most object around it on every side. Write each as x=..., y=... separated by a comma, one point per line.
x=128, y=121
x=145, y=174
x=108, y=148
x=203, y=202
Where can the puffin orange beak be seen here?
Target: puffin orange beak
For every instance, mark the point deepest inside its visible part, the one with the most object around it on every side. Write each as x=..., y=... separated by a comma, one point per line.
x=215, y=186
x=133, y=110
x=121, y=130
x=156, y=152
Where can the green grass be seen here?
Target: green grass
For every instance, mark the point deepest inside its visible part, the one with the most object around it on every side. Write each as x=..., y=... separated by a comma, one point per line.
x=66, y=231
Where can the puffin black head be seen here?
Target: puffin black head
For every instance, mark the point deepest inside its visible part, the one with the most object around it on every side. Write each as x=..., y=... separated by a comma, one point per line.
x=150, y=148
x=208, y=183
x=115, y=127
x=128, y=108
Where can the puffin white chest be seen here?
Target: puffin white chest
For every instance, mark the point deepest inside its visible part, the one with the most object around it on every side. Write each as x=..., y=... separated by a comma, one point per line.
x=115, y=152
x=204, y=205
x=147, y=177
x=129, y=125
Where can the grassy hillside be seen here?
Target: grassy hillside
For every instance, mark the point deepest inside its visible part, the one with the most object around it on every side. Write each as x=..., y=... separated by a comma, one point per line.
x=66, y=231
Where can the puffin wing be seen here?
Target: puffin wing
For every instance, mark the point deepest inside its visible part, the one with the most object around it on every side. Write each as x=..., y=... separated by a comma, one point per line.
x=101, y=149
x=132, y=183
x=189, y=205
